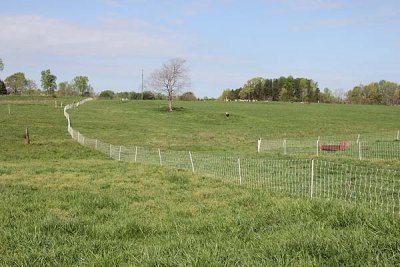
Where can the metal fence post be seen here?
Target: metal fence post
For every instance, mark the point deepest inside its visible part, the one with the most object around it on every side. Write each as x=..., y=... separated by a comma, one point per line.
x=398, y=136
x=119, y=153
x=191, y=161
x=318, y=147
x=96, y=144
x=159, y=154
x=359, y=151
x=240, y=172
x=258, y=145
x=110, y=151
x=312, y=179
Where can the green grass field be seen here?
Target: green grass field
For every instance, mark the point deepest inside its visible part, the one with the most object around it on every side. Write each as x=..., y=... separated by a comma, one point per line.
x=202, y=126
x=62, y=204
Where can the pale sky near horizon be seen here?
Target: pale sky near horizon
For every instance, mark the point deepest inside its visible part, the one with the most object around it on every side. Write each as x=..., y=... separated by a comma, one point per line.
x=338, y=43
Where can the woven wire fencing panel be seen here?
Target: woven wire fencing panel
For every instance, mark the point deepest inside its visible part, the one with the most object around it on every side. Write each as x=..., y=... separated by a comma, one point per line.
x=337, y=148
x=372, y=187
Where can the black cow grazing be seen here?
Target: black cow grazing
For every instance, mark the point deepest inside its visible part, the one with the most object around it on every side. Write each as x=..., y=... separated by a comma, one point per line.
x=227, y=114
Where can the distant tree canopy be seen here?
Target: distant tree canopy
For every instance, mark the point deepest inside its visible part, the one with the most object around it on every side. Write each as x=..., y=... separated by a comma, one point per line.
x=81, y=84
x=284, y=89
x=107, y=94
x=382, y=92
x=16, y=83
x=188, y=96
x=48, y=82
x=3, y=89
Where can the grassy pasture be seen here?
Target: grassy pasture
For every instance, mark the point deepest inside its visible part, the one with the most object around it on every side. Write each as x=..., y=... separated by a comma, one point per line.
x=202, y=126
x=64, y=205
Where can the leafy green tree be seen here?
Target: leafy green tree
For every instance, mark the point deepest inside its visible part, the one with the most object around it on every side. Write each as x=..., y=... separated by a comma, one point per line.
x=48, y=82
x=1, y=65
x=3, y=89
x=81, y=84
x=135, y=96
x=107, y=94
x=188, y=96
x=16, y=83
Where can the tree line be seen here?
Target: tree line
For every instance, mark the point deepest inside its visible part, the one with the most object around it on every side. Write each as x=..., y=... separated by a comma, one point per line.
x=281, y=89
x=382, y=92
x=146, y=95
x=307, y=90
x=18, y=84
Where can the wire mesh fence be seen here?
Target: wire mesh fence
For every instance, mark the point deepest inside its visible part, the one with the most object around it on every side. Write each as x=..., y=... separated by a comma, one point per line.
x=372, y=187
x=383, y=148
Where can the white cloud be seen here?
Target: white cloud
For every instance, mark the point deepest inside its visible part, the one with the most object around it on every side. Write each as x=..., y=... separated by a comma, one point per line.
x=110, y=37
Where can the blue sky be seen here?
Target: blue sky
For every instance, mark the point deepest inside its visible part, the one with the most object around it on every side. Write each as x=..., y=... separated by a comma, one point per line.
x=226, y=42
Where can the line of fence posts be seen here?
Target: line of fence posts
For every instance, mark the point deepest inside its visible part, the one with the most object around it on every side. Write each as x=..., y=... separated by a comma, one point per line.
x=318, y=148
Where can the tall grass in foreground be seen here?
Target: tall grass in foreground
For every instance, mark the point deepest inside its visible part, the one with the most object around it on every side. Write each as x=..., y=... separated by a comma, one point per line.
x=64, y=205
x=99, y=212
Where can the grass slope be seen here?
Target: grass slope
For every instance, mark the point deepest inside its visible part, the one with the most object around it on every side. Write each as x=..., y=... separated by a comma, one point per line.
x=202, y=126
x=63, y=205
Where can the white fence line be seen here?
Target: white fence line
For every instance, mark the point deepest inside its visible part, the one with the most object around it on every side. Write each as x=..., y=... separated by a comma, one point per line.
x=374, y=188
x=359, y=149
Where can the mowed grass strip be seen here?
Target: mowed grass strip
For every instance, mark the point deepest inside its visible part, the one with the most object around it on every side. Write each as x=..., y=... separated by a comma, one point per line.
x=62, y=204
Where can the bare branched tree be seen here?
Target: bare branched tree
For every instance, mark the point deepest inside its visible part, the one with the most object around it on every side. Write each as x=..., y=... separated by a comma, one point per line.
x=171, y=78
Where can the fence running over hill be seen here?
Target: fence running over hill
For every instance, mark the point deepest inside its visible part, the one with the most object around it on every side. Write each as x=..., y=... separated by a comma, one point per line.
x=383, y=147
x=375, y=188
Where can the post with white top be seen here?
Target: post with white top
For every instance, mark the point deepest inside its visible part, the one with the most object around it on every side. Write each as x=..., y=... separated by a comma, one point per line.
x=159, y=154
x=318, y=146
x=359, y=151
x=9, y=109
x=135, y=153
x=110, y=151
x=119, y=153
x=240, y=172
x=284, y=146
x=191, y=161
x=398, y=136
x=312, y=179
x=358, y=139
x=258, y=145
x=96, y=145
